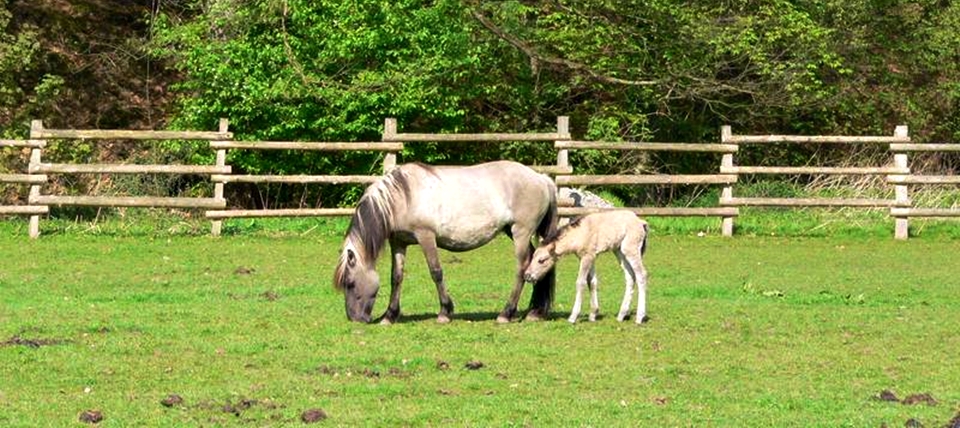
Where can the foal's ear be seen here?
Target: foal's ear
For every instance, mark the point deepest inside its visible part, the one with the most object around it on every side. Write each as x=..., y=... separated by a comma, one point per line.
x=351, y=258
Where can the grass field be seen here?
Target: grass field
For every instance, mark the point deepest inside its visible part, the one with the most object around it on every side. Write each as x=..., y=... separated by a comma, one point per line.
x=247, y=329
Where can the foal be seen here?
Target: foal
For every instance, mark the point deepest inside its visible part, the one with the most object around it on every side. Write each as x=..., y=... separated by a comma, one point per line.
x=619, y=231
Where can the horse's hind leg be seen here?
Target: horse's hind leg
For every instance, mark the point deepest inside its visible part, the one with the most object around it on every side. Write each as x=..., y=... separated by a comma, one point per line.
x=523, y=250
x=398, y=253
x=594, y=299
x=628, y=278
x=428, y=242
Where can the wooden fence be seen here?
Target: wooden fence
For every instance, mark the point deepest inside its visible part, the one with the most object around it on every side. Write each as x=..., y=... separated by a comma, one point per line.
x=726, y=150
x=898, y=173
x=39, y=171
x=34, y=180
x=390, y=134
x=217, y=216
x=902, y=214
x=899, y=167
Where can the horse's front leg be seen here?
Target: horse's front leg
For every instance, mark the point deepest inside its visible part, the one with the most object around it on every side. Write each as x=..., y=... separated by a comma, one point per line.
x=428, y=242
x=398, y=255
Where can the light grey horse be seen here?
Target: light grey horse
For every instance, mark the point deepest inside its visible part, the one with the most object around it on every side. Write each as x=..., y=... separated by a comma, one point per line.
x=454, y=208
x=618, y=231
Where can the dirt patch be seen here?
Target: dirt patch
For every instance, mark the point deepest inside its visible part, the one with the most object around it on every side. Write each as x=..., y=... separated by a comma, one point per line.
x=924, y=398
x=887, y=395
x=269, y=296
x=242, y=404
x=310, y=416
x=955, y=422
x=30, y=343
x=367, y=372
x=91, y=416
x=243, y=271
x=443, y=365
x=473, y=365
x=172, y=400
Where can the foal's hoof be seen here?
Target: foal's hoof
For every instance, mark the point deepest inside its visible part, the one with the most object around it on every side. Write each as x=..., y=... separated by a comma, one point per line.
x=386, y=321
x=503, y=319
x=443, y=319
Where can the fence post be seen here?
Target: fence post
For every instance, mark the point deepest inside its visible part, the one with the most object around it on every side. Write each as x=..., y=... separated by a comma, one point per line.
x=389, y=131
x=563, y=129
x=726, y=225
x=217, y=225
x=902, y=224
x=36, y=127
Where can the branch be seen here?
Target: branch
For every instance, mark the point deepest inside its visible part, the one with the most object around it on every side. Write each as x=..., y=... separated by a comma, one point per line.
x=536, y=57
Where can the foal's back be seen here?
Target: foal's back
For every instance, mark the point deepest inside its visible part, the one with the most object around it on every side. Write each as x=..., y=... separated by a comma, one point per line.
x=608, y=230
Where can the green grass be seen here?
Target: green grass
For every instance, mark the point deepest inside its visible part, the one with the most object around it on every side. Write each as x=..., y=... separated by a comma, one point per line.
x=749, y=331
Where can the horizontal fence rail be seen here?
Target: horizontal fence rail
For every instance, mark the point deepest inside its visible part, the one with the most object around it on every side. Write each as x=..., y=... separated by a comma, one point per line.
x=32, y=179
x=904, y=213
x=673, y=147
x=900, y=168
x=38, y=171
x=561, y=135
x=649, y=179
x=220, y=180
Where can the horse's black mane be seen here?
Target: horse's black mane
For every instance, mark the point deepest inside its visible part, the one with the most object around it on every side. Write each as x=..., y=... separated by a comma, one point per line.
x=370, y=224
x=559, y=233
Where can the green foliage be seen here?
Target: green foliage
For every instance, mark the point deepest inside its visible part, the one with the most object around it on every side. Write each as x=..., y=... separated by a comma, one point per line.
x=21, y=94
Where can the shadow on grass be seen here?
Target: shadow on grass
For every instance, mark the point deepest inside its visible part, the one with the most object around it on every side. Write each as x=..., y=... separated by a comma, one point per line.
x=464, y=316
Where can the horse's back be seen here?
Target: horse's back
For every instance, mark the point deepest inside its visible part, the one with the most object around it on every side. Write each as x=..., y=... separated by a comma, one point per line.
x=468, y=205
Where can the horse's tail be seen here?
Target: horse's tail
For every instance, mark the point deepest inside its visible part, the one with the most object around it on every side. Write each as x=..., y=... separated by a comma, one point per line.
x=543, y=292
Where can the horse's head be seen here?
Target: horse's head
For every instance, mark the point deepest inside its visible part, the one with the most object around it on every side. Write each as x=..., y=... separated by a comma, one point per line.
x=357, y=278
x=542, y=261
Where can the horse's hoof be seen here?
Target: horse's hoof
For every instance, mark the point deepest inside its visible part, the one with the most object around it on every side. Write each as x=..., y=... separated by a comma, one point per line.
x=534, y=316
x=572, y=320
x=443, y=319
x=503, y=320
x=593, y=318
x=386, y=321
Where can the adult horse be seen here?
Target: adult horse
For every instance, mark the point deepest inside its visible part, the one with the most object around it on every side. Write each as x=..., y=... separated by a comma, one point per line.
x=449, y=207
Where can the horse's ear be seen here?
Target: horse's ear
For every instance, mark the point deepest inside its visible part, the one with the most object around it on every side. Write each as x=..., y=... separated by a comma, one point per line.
x=351, y=258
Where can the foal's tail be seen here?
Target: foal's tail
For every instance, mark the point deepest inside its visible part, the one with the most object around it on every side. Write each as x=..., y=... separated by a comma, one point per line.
x=541, y=298
x=646, y=234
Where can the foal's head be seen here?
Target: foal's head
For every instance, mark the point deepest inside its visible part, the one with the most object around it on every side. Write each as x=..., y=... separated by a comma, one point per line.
x=542, y=261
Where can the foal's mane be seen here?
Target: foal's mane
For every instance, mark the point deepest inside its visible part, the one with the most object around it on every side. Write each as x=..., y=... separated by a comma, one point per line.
x=371, y=222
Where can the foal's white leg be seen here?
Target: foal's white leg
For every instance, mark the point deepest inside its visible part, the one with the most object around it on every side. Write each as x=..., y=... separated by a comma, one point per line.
x=641, y=274
x=586, y=265
x=628, y=278
x=594, y=299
